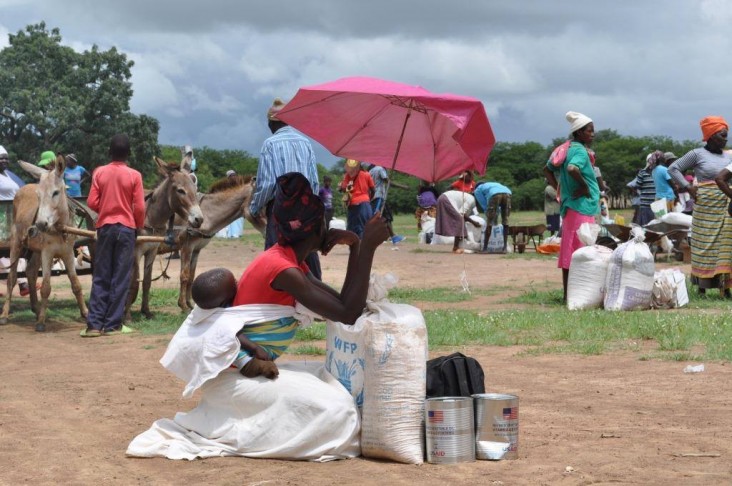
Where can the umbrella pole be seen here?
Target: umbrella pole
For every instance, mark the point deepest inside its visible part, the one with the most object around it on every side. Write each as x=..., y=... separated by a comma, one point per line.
x=396, y=153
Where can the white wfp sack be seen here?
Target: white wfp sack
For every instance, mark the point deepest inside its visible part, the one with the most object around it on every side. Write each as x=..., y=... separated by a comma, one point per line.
x=587, y=271
x=495, y=240
x=669, y=289
x=382, y=358
x=392, y=422
x=629, y=281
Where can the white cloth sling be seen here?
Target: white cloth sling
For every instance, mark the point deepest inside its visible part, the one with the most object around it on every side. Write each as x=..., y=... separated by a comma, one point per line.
x=206, y=342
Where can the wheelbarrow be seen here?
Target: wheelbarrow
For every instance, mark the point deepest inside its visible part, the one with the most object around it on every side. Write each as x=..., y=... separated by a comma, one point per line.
x=521, y=235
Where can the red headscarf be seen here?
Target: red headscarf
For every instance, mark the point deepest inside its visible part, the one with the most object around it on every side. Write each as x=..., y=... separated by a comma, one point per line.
x=711, y=125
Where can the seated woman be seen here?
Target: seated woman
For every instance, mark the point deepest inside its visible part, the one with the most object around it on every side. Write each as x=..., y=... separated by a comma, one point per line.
x=302, y=413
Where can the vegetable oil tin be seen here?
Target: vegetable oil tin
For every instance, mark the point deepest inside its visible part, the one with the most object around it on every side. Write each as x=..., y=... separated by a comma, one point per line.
x=449, y=430
x=496, y=426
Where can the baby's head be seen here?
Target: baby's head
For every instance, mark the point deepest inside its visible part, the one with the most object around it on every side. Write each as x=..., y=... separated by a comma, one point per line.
x=214, y=288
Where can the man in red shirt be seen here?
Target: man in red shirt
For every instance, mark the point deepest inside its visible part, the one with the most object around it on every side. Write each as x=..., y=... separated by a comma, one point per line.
x=359, y=185
x=117, y=196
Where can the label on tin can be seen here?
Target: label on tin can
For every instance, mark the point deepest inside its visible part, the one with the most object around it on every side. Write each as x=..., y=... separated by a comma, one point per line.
x=497, y=426
x=449, y=430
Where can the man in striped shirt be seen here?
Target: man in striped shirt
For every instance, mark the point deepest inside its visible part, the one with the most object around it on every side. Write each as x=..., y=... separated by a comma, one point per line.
x=285, y=151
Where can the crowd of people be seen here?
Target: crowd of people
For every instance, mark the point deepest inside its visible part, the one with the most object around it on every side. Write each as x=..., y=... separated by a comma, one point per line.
x=695, y=183
x=299, y=211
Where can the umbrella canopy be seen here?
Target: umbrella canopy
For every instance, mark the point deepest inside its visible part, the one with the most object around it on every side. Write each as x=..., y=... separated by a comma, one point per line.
x=398, y=126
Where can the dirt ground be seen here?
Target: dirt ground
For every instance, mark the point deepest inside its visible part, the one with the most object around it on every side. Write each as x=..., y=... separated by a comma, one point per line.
x=70, y=406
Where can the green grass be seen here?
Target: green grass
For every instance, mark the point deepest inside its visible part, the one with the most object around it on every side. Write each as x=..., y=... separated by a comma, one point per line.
x=411, y=294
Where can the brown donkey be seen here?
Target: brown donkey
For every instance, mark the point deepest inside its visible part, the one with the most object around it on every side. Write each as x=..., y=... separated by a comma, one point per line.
x=228, y=200
x=174, y=196
x=40, y=211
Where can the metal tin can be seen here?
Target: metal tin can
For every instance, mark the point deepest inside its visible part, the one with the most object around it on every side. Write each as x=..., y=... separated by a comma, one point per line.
x=496, y=426
x=449, y=430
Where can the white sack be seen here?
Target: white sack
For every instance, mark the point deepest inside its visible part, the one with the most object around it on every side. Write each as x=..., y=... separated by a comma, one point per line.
x=587, y=274
x=629, y=282
x=677, y=218
x=395, y=383
x=344, y=344
x=587, y=271
x=305, y=414
x=382, y=358
x=495, y=240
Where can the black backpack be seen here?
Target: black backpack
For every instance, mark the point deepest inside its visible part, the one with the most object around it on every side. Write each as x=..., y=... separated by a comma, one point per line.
x=455, y=375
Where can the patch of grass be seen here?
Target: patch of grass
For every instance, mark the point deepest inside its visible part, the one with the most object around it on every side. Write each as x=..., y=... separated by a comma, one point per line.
x=528, y=255
x=441, y=294
x=307, y=349
x=539, y=297
x=316, y=332
x=584, y=332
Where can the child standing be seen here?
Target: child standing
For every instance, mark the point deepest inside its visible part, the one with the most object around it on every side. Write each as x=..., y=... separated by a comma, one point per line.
x=116, y=195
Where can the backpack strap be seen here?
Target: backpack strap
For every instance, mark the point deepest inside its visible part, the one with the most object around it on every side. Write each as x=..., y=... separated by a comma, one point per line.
x=458, y=363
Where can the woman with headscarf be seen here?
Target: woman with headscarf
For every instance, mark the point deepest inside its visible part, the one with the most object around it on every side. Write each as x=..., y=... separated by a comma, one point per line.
x=711, y=227
x=646, y=188
x=302, y=414
x=579, y=192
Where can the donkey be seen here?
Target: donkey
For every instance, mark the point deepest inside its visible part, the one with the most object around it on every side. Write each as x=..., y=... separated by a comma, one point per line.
x=227, y=200
x=40, y=211
x=174, y=196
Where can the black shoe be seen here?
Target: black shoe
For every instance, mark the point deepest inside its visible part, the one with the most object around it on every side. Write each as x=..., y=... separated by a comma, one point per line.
x=174, y=256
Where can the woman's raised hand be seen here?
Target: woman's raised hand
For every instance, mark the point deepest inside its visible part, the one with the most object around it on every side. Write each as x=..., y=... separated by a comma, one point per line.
x=375, y=232
x=337, y=237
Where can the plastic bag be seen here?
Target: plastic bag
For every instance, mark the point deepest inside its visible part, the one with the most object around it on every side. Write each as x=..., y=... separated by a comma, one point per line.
x=669, y=289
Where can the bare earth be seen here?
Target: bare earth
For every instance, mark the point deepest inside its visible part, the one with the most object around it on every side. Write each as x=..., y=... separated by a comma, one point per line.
x=70, y=406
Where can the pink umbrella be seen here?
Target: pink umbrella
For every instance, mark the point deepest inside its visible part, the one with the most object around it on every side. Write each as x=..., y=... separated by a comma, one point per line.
x=394, y=125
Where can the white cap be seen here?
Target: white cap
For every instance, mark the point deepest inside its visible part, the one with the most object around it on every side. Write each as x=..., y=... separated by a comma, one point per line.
x=187, y=150
x=230, y=173
x=577, y=121
x=3, y=151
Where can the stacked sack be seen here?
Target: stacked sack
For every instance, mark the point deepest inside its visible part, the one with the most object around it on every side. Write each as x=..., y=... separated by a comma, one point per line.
x=588, y=270
x=630, y=275
x=381, y=360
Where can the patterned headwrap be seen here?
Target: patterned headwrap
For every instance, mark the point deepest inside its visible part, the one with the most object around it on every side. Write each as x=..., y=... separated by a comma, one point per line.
x=653, y=159
x=297, y=212
x=711, y=125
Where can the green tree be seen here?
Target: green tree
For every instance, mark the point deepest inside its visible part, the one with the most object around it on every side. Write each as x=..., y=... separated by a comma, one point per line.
x=54, y=98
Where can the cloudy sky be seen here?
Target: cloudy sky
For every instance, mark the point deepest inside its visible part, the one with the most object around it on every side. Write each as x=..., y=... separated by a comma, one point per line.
x=208, y=70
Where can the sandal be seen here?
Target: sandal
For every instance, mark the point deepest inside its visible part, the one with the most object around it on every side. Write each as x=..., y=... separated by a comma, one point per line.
x=123, y=330
x=90, y=333
x=458, y=251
